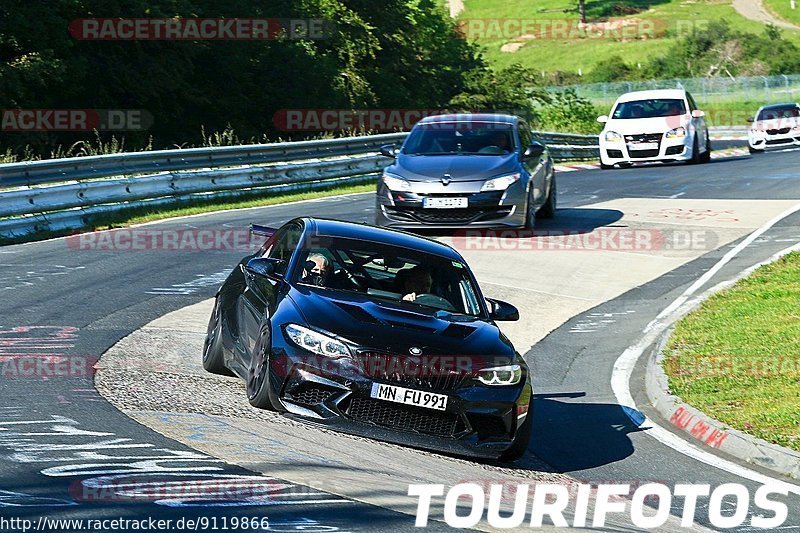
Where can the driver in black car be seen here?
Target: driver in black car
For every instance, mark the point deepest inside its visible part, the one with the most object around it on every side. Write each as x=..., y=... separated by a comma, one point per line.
x=317, y=270
x=415, y=281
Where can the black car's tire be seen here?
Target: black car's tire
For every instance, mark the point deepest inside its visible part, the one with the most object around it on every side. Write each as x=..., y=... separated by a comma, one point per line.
x=213, y=355
x=755, y=150
x=522, y=440
x=548, y=210
x=706, y=157
x=603, y=166
x=258, y=373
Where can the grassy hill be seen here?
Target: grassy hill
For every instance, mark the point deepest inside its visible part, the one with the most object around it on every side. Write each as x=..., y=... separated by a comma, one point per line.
x=656, y=25
x=783, y=9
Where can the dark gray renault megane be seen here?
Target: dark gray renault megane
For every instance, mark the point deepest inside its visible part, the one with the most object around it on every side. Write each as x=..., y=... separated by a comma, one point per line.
x=375, y=332
x=467, y=170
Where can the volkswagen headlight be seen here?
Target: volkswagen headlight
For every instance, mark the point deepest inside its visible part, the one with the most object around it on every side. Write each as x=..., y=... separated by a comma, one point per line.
x=677, y=133
x=395, y=183
x=500, y=184
x=500, y=375
x=613, y=137
x=316, y=342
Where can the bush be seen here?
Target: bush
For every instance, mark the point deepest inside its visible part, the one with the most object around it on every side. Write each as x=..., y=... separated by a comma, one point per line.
x=569, y=113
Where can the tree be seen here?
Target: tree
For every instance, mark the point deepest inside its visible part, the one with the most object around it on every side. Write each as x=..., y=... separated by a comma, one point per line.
x=582, y=10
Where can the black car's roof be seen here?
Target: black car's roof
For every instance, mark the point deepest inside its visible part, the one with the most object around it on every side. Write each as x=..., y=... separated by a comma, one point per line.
x=471, y=117
x=350, y=230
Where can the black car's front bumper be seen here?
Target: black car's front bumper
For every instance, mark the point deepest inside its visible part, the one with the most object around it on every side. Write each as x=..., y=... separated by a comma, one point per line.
x=479, y=421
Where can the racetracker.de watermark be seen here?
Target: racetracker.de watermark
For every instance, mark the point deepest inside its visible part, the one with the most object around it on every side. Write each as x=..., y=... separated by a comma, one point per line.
x=23, y=120
x=602, y=239
x=201, y=29
x=350, y=119
x=616, y=29
x=172, y=240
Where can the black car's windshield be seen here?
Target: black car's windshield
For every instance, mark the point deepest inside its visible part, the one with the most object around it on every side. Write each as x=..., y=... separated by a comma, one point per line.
x=389, y=273
x=461, y=138
x=650, y=108
x=777, y=113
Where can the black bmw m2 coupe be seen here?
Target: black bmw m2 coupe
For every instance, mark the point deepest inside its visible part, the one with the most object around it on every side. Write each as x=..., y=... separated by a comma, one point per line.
x=374, y=332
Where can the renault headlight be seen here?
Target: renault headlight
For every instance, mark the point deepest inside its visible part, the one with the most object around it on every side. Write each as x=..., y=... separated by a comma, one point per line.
x=500, y=184
x=677, y=133
x=316, y=342
x=500, y=375
x=396, y=184
x=613, y=137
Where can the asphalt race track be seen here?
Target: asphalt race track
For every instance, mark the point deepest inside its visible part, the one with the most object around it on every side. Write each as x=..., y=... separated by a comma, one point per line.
x=69, y=453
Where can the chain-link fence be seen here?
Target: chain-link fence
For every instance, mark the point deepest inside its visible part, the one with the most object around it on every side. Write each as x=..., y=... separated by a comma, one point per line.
x=707, y=91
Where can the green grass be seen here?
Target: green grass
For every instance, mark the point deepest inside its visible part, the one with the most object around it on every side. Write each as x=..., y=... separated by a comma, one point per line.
x=140, y=215
x=783, y=9
x=737, y=358
x=570, y=55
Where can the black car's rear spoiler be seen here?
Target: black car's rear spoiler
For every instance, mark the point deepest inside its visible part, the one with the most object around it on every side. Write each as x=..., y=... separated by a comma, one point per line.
x=264, y=231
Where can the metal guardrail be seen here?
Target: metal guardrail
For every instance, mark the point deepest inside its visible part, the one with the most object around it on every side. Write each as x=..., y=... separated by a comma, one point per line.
x=63, y=194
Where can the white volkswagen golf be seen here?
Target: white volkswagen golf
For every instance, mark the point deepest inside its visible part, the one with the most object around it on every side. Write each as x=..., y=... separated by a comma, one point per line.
x=660, y=125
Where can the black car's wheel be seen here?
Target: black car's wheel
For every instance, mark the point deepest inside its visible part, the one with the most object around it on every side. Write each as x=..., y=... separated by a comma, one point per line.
x=706, y=157
x=258, y=373
x=603, y=166
x=522, y=440
x=213, y=356
x=755, y=150
x=548, y=210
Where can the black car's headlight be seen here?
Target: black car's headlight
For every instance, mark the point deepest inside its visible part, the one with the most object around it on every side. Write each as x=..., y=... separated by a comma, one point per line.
x=315, y=342
x=500, y=375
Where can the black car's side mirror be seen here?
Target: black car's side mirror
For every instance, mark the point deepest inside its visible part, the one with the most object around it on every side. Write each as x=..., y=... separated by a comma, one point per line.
x=263, y=266
x=536, y=149
x=390, y=150
x=751, y=119
x=502, y=311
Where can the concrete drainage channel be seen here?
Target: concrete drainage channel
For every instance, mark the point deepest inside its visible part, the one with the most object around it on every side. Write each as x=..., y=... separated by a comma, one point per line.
x=154, y=375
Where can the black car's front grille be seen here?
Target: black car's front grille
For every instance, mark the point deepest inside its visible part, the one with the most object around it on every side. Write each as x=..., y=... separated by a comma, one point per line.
x=781, y=131
x=781, y=141
x=406, y=372
x=404, y=418
x=310, y=394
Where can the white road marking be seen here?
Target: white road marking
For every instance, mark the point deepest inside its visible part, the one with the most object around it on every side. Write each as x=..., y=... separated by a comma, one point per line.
x=623, y=367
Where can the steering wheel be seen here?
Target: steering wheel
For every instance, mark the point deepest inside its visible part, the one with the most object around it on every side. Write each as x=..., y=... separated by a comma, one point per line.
x=434, y=300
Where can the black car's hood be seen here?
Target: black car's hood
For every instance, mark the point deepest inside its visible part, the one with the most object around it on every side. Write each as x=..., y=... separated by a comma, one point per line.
x=459, y=167
x=396, y=328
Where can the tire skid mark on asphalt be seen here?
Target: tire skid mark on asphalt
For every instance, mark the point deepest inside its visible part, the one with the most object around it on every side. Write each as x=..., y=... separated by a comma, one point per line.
x=120, y=469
